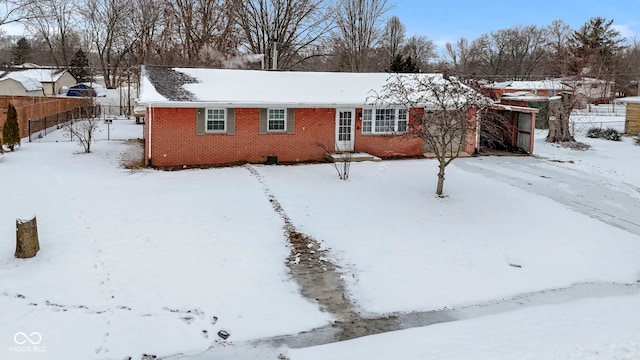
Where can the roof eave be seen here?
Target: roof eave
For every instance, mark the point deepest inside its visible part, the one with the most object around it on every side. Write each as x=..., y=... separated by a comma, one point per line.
x=243, y=104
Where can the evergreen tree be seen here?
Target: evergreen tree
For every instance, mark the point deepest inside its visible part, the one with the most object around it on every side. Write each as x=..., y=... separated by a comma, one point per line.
x=21, y=51
x=79, y=67
x=596, y=46
x=10, y=130
x=403, y=64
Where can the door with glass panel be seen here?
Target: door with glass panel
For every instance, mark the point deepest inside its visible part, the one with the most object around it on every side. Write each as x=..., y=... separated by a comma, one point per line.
x=345, y=124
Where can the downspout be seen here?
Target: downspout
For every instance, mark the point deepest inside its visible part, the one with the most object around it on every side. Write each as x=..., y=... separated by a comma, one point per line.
x=476, y=146
x=149, y=133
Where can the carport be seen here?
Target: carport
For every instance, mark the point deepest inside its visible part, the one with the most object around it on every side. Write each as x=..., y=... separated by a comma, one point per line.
x=517, y=124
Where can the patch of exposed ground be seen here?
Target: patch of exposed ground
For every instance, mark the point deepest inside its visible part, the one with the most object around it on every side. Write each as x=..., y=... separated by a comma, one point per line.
x=133, y=157
x=321, y=281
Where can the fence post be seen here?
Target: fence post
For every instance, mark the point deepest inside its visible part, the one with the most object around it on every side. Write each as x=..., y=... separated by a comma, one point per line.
x=29, y=126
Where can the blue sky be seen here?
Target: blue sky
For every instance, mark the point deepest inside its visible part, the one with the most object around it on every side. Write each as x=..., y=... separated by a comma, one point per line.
x=446, y=21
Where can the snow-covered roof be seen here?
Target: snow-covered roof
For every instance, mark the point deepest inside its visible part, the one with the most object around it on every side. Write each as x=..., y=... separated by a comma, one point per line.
x=524, y=95
x=585, y=80
x=28, y=83
x=199, y=86
x=530, y=85
x=40, y=74
x=629, y=99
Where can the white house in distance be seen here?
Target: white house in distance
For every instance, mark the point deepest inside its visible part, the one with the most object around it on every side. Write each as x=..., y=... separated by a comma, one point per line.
x=34, y=81
x=20, y=86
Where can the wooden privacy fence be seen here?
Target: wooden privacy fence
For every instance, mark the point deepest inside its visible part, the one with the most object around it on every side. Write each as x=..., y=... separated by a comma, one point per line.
x=43, y=126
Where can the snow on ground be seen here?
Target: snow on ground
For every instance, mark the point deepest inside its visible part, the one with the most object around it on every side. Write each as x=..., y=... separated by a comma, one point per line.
x=404, y=249
x=146, y=261
x=587, y=329
x=134, y=262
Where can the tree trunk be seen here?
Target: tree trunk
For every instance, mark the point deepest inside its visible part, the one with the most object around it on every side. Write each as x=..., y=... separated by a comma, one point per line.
x=559, y=129
x=27, y=244
x=559, y=114
x=440, y=179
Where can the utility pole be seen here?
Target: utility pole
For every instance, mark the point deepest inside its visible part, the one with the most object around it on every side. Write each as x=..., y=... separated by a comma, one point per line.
x=128, y=92
x=275, y=54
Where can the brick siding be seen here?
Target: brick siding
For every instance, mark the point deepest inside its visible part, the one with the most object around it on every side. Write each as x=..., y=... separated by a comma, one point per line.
x=175, y=143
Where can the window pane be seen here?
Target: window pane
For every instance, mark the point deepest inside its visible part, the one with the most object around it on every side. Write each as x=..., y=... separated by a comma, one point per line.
x=385, y=120
x=366, y=120
x=276, y=119
x=402, y=120
x=216, y=119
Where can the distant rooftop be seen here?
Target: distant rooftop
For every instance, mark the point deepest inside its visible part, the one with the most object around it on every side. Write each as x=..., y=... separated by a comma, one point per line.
x=530, y=85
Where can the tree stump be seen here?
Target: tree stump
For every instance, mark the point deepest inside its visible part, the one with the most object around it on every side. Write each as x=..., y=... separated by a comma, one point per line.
x=27, y=244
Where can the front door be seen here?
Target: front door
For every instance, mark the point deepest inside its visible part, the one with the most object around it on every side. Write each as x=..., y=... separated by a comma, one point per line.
x=345, y=124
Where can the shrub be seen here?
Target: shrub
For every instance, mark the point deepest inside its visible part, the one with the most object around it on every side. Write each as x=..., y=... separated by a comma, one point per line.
x=636, y=139
x=594, y=133
x=608, y=133
x=10, y=130
x=611, y=134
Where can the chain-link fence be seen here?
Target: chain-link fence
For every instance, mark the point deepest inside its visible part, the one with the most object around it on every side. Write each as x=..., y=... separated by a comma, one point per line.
x=41, y=127
x=115, y=110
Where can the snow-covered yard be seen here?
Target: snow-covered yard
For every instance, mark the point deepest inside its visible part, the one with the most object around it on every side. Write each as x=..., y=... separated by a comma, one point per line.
x=139, y=262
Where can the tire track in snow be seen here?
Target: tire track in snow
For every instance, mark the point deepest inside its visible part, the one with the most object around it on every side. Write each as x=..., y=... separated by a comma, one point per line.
x=596, y=196
x=269, y=348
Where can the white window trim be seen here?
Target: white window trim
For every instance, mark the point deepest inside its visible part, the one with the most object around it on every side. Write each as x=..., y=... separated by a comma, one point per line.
x=373, y=121
x=285, y=120
x=206, y=121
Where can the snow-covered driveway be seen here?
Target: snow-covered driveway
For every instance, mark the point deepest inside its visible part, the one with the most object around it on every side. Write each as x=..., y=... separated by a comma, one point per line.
x=614, y=201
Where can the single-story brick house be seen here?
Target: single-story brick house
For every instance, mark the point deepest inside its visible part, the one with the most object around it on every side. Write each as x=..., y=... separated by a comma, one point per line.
x=197, y=116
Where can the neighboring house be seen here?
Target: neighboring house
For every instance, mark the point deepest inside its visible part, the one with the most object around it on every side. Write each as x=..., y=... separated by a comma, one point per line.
x=591, y=91
x=51, y=80
x=632, y=114
x=20, y=86
x=546, y=88
x=198, y=116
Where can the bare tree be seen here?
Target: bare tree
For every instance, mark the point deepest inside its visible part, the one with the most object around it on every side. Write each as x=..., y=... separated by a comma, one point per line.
x=444, y=113
x=205, y=30
x=421, y=50
x=461, y=56
x=559, y=60
x=285, y=31
x=108, y=28
x=393, y=37
x=628, y=79
x=515, y=53
x=358, y=28
x=15, y=10
x=341, y=161
x=147, y=23
x=53, y=21
x=84, y=129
